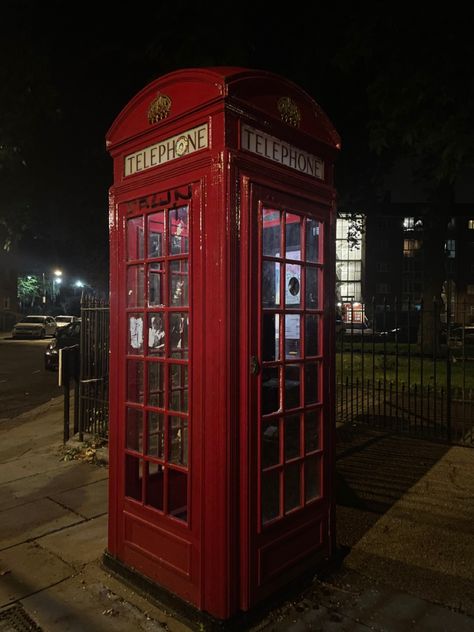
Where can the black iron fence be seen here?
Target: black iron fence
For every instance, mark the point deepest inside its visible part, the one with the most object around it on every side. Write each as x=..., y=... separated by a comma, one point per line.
x=408, y=368
x=94, y=367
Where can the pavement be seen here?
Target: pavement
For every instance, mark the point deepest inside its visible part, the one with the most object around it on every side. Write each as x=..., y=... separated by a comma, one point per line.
x=405, y=520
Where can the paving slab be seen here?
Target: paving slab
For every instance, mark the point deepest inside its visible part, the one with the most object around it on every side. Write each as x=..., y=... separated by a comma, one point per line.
x=26, y=569
x=49, y=484
x=93, y=601
x=88, y=500
x=80, y=544
x=33, y=520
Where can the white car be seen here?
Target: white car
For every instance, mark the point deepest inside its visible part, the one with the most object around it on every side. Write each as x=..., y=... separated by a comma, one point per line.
x=63, y=320
x=34, y=326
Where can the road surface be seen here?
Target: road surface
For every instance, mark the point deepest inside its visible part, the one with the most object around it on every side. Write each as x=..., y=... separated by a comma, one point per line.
x=24, y=383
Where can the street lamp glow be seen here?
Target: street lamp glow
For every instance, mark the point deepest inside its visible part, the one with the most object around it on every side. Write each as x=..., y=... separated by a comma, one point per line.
x=58, y=280
x=58, y=273
x=79, y=284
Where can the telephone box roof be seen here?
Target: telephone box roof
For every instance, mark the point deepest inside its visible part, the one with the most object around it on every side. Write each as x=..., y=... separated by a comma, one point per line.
x=192, y=89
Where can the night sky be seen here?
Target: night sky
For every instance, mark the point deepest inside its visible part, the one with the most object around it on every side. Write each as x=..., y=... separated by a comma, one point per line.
x=67, y=72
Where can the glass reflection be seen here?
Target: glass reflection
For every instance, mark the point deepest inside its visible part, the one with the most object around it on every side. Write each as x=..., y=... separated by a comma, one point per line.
x=178, y=440
x=135, y=238
x=270, y=443
x=134, y=430
x=155, y=285
x=312, y=475
x=271, y=233
x=179, y=334
x=156, y=234
x=154, y=485
x=270, y=390
x=135, y=286
x=292, y=487
x=292, y=386
x=310, y=383
x=156, y=384
x=292, y=336
x=312, y=240
x=270, y=337
x=135, y=381
x=312, y=301
x=270, y=284
x=293, y=236
x=179, y=282
x=178, y=231
x=270, y=496
x=292, y=437
x=311, y=335
x=178, y=494
x=156, y=334
x=156, y=435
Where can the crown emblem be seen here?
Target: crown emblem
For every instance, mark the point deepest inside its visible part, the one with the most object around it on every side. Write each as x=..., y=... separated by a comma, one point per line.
x=289, y=111
x=159, y=108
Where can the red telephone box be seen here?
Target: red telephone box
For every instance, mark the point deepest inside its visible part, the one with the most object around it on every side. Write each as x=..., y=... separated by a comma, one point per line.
x=222, y=232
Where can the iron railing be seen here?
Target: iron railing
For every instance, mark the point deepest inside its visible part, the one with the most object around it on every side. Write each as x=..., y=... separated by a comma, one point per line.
x=94, y=367
x=408, y=368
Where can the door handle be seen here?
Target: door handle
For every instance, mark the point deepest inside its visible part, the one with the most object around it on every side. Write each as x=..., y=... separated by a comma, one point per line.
x=254, y=366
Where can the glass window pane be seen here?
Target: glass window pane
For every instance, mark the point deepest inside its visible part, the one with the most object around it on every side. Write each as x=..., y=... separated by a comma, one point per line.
x=135, y=286
x=178, y=440
x=270, y=443
x=156, y=234
x=292, y=437
x=156, y=387
x=133, y=477
x=178, y=387
x=312, y=475
x=293, y=236
x=156, y=295
x=270, y=496
x=312, y=240
x=156, y=334
x=271, y=233
x=179, y=282
x=310, y=383
x=292, y=487
x=179, y=334
x=134, y=430
x=178, y=231
x=135, y=334
x=135, y=238
x=156, y=435
x=312, y=440
x=270, y=390
x=178, y=494
x=311, y=341
x=292, y=336
x=270, y=337
x=312, y=300
x=292, y=386
x=270, y=284
x=154, y=485
x=292, y=285
x=135, y=381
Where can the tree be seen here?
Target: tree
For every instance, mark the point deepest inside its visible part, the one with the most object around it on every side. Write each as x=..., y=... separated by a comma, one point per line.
x=29, y=289
x=420, y=98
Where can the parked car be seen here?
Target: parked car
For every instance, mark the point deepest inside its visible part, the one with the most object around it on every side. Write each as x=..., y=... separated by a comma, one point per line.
x=34, y=326
x=462, y=334
x=63, y=320
x=65, y=337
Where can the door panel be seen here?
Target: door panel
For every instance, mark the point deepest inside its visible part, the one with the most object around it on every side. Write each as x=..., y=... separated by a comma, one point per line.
x=289, y=512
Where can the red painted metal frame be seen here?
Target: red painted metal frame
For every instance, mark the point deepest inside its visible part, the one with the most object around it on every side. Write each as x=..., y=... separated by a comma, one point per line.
x=215, y=563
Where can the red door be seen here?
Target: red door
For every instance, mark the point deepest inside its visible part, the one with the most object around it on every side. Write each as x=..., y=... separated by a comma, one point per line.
x=158, y=517
x=288, y=511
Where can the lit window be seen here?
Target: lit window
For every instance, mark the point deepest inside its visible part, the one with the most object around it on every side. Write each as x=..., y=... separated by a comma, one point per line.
x=470, y=224
x=408, y=223
x=451, y=248
x=411, y=246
